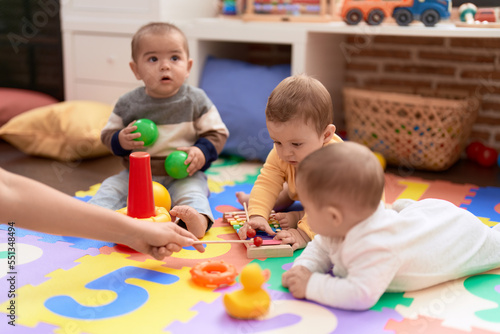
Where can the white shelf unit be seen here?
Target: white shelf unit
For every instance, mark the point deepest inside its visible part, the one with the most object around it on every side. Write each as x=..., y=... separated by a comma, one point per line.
x=316, y=48
x=97, y=36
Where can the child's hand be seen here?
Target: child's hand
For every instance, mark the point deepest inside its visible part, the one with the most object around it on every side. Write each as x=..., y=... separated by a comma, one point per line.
x=196, y=159
x=288, y=219
x=162, y=239
x=257, y=223
x=296, y=279
x=294, y=237
x=126, y=138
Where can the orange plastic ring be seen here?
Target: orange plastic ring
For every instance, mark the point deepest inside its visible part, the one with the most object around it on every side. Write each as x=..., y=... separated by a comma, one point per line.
x=213, y=273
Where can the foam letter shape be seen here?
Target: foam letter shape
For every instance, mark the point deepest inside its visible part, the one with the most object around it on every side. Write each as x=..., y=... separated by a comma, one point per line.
x=129, y=297
x=484, y=286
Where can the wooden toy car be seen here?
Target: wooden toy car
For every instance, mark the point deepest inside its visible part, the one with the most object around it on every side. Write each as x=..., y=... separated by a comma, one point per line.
x=373, y=12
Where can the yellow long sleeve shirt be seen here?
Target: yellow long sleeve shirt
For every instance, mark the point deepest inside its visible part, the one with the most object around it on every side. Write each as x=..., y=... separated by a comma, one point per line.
x=269, y=184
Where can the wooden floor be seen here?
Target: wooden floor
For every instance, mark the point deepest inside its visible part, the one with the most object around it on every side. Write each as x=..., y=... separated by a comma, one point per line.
x=68, y=177
x=464, y=171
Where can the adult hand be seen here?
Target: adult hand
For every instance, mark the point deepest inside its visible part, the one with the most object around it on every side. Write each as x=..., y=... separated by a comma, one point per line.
x=162, y=239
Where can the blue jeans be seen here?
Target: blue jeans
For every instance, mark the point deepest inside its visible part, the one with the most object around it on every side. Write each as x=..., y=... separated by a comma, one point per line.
x=192, y=191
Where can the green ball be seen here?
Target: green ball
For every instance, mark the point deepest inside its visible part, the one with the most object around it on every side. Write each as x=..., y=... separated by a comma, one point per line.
x=174, y=165
x=148, y=131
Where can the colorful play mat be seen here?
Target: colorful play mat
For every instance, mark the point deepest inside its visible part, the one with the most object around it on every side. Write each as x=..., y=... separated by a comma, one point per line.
x=74, y=285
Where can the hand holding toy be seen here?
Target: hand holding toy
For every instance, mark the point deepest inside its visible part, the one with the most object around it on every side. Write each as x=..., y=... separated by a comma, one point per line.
x=174, y=165
x=148, y=131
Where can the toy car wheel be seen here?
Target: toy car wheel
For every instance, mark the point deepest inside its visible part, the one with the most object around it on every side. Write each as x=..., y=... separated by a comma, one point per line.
x=403, y=17
x=430, y=17
x=375, y=17
x=353, y=16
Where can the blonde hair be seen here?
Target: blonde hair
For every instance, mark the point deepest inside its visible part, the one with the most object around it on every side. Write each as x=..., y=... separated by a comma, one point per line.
x=342, y=173
x=156, y=28
x=301, y=96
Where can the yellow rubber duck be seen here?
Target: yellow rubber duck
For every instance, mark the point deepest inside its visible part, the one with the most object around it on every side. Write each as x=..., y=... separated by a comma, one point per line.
x=252, y=301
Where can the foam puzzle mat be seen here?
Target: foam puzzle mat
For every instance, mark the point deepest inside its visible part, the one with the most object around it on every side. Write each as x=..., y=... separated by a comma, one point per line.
x=73, y=285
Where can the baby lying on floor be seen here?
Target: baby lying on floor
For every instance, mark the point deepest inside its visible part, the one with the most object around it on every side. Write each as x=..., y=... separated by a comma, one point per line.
x=372, y=249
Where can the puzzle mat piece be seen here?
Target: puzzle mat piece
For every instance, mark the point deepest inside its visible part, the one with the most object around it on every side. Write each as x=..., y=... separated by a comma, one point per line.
x=487, y=222
x=80, y=243
x=149, y=301
x=277, y=266
x=416, y=189
x=372, y=321
x=462, y=195
x=88, y=193
x=391, y=300
x=29, y=253
x=230, y=171
x=426, y=325
x=227, y=198
x=234, y=254
x=286, y=314
x=452, y=192
x=84, y=199
x=35, y=259
x=41, y=328
x=397, y=187
x=485, y=202
x=486, y=286
x=454, y=305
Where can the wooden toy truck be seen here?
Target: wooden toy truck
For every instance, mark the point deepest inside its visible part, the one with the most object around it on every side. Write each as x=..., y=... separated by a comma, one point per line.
x=373, y=12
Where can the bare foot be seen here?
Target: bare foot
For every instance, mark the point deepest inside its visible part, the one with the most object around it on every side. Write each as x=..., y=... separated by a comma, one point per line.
x=288, y=219
x=242, y=197
x=196, y=222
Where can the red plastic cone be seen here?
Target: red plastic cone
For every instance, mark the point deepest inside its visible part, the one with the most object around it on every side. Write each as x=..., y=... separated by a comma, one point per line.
x=141, y=202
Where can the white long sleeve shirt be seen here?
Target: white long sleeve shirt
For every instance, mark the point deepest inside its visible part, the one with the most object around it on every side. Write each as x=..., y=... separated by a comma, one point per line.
x=427, y=242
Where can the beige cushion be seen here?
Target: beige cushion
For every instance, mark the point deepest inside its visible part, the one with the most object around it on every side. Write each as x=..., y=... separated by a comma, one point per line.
x=65, y=131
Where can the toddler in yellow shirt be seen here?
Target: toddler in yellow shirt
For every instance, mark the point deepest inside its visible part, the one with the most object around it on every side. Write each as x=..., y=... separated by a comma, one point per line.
x=299, y=117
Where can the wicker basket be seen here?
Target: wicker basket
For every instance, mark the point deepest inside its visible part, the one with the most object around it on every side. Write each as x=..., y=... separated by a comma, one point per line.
x=414, y=131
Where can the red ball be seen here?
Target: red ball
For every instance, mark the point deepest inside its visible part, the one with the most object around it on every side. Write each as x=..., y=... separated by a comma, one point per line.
x=473, y=150
x=257, y=241
x=487, y=157
x=251, y=233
